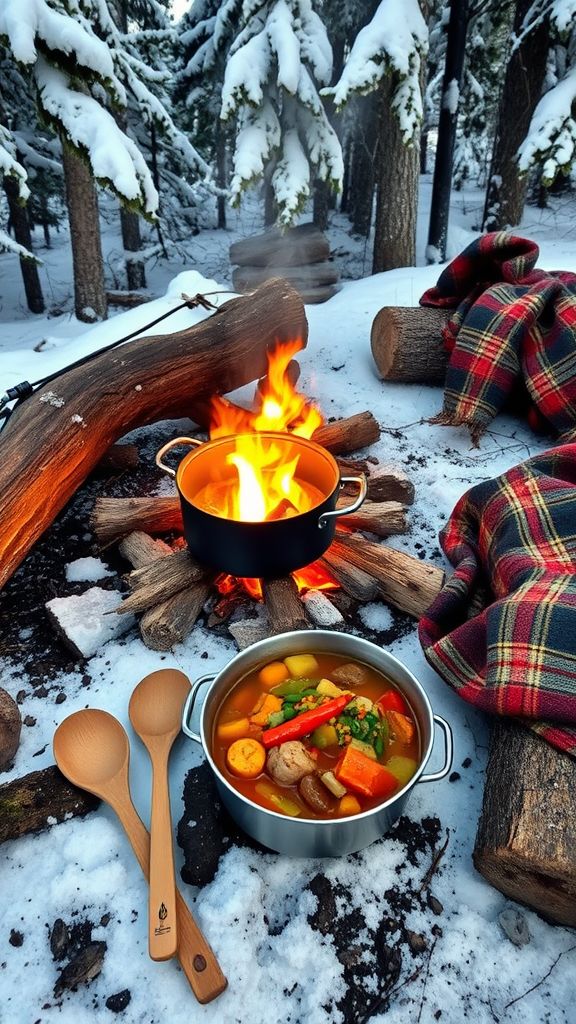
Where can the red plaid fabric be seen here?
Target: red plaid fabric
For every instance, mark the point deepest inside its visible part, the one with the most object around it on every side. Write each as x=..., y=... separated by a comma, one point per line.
x=513, y=330
x=502, y=631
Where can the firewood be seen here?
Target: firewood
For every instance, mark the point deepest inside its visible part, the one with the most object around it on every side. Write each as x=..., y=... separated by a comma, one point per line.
x=313, y=296
x=405, y=582
x=118, y=459
x=357, y=583
x=348, y=435
x=38, y=800
x=284, y=607
x=10, y=725
x=407, y=344
x=390, y=483
x=349, y=467
x=114, y=517
x=323, y=613
x=127, y=299
x=526, y=840
x=140, y=549
x=248, y=631
x=295, y=247
x=171, y=621
x=160, y=580
x=383, y=518
x=306, y=278
x=54, y=439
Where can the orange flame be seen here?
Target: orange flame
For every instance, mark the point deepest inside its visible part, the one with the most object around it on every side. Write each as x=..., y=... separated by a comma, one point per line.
x=265, y=485
x=311, y=577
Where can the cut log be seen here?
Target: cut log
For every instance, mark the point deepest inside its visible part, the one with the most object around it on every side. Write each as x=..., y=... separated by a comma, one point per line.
x=407, y=344
x=405, y=582
x=247, y=632
x=171, y=621
x=320, y=609
x=357, y=583
x=39, y=800
x=389, y=483
x=293, y=247
x=140, y=549
x=284, y=607
x=118, y=459
x=348, y=435
x=160, y=580
x=10, y=726
x=307, y=278
x=526, y=840
x=384, y=518
x=56, y=437
x=128, y=300
x=114, y=517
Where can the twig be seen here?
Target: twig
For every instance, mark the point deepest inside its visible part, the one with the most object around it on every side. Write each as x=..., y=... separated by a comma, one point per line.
x=385, y=997
x=435, y=862
x=432, y=948
x=538, y=983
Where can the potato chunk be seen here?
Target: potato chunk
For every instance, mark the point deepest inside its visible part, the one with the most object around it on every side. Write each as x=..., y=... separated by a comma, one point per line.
x=301, y=666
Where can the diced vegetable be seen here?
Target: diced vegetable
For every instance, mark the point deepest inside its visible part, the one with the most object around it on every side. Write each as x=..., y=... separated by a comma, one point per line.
x=402, y=767
x=331, y=783
x=362, y=703
x=359, y=773
x=300, y=665
x=364, y=748
x=293, y=686
x=272, y=674
x=349, y=805
x=315, y=794
x=304, y=723
x=277, y=717
x=293, y=698
x=324, y=736
x=230, y=731
x=393, y=701
x=246, y=758
x=352, y=675
x=266, y=705
x=278, y=800
x=328, y=689
x=401, y=727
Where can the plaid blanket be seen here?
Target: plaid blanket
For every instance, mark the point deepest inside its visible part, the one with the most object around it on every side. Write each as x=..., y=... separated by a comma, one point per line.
x=502, y=631
x=512, y=336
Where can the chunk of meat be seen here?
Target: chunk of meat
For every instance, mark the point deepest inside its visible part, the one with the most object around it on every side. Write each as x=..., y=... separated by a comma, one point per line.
x=289, y=762
x=350, y=675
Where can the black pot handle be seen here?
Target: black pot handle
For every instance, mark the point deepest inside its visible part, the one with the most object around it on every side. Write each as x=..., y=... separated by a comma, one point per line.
x=172, y=444
x=361, y=481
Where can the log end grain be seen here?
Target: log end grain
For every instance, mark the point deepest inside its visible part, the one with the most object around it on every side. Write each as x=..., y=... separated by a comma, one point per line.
x=10, y=726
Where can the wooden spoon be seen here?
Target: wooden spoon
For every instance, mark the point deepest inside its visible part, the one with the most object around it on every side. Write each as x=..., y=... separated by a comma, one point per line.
x=92, y=750
x=155, y=712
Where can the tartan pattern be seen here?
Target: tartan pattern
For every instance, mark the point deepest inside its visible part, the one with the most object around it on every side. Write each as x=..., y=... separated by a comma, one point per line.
x=513, y=333
x=502, y=632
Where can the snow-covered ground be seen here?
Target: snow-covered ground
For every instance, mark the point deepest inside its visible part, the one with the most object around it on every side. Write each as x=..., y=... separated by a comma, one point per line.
x=85, y=868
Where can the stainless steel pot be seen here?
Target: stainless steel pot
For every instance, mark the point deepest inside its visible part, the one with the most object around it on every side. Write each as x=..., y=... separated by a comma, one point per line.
x=306, y=837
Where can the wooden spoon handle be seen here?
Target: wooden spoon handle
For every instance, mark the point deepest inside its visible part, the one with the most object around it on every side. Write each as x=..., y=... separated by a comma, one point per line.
x=162, y=923
x=196, y=957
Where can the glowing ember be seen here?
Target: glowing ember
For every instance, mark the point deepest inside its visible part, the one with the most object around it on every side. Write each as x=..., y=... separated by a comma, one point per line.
x=265, y=485
x=311, y=577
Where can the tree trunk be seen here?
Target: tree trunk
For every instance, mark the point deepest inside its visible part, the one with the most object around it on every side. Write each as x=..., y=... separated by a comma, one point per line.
x=396, y=190
x=89, y=292
x=221, y=175
x=362, y=175
x=506, y=193
x=23, y=235
x=132, y=242
x=321, y=205
x=156, y=180
x=442, y=184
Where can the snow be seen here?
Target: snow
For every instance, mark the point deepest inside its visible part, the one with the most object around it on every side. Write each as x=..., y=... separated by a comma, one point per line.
x=88, y=568
x=451, y=96
x=256, y=911
x=89, y=619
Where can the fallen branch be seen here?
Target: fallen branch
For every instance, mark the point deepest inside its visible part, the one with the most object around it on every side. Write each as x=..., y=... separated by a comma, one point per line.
x=39, y=800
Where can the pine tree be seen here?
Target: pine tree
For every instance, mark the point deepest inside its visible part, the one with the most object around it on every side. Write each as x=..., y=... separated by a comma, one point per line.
x=279, y=55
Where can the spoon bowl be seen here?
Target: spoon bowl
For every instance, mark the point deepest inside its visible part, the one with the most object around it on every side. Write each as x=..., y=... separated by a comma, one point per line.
x=156, y=704
x=92, y=750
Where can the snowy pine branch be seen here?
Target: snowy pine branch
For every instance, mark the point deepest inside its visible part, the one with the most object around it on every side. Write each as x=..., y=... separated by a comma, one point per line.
x=551, y=138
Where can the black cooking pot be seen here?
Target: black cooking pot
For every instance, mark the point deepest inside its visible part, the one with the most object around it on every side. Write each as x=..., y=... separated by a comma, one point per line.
x=263, y=549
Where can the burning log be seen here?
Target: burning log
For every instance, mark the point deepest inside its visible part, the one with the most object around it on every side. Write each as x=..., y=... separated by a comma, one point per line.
x=284, y=607
x=39, y=800
x=407, y=344
x=526, y=840
x=406, y=582
x=160, y=580
x=171, y=621
x=384, y=518
x=348, y=435
x=46, y=442
x=140, y=549
x=357, y=583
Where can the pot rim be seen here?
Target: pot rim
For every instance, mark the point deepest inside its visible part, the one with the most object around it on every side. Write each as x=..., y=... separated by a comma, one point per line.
x=323, y=637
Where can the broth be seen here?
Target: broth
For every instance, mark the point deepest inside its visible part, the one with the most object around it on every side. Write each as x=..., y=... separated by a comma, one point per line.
x=242, y=700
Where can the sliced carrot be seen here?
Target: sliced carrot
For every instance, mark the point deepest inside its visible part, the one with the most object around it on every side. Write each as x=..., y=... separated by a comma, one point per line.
x=230, y=731
x=246, y=758
x=363, y=775
x=265, y=705
x=349, y=805
x=401, y=727
x=274, y=673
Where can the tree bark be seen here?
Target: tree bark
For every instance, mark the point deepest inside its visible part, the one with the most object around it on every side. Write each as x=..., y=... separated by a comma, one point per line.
x=39, y=800
x=221, y=172
x=442, y=183
x=23, y=235
x=132, y=242
x=89, y=291
x=407, y=344
x=362, y=172
x=396, y=190
x=55, y=438
x=506, y=193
